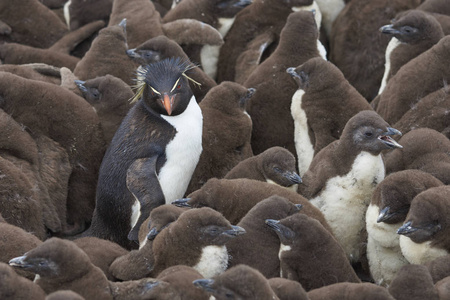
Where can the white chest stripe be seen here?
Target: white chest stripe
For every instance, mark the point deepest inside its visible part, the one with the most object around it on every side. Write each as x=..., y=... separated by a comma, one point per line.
x=183, y=152
x=303, y=144
x=393, y=43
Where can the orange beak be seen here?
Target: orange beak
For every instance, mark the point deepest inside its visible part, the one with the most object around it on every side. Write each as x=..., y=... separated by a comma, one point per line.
x=168, y=103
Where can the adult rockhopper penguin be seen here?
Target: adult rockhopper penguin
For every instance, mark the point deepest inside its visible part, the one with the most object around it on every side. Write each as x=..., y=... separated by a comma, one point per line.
x=153, y=153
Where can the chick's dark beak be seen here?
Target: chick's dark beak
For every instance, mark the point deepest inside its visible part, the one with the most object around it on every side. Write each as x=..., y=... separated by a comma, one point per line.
x=388, y=29
x=183, y=202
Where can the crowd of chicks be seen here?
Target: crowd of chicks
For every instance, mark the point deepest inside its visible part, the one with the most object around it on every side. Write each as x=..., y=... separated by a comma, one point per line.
x=225, y=149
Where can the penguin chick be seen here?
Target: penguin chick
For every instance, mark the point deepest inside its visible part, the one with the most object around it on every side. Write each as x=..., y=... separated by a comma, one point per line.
x=70, y=123
x=364, y=67
x=310, y=254
x=288, y=289
x=81, y=12
x=220, y=14
x=413, y=282
x=227, y=131
x=17, y=287
x=388, y=209
x=402, y=92
x=143, y=20
x=343, y=175
x=179, y=281
x=14, y=241
x=350, y=291
x=275, y=165
x=162, y=135
x=443, y=288
x=439, y=268
x=159, y=218
x=234, y=198
x=197, y=239
x=138, y=264
x=107, y=55
x=110, y=96
x=42, y=29
x=424, y=235
x=270, y=107
x=256, y=29
x=239, y=282
x=321, y=107
x=259, y=247
x=412, y=32
x=425, y=149
x=60, y=264
x=431, y=112
x=160, y=48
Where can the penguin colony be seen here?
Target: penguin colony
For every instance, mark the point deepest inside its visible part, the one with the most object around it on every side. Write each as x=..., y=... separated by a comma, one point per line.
x=225, y=149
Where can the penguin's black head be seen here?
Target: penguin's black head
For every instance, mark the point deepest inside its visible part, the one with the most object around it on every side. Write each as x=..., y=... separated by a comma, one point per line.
x=164, y=87
x=367, y=131
x=414, y=26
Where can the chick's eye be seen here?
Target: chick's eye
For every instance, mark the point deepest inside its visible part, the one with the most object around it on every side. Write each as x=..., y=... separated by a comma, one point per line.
x=368, y=134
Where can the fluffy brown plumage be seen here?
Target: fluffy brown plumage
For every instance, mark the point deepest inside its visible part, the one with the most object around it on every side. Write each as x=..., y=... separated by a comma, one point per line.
x=143, y=20
x=402, y=91
x=259, y=246
x=424, y=149
x=227, y=130
x=107, y=55
x=321, y=107
x=309, y=253
x=357, y=47
x=270, y=106
x=235, y=197
x=70, y=121
x=275, y=165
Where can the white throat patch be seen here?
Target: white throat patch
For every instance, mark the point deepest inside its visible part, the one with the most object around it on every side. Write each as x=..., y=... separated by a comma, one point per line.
x=183, y=152
x=213, y=261
x=419, y=253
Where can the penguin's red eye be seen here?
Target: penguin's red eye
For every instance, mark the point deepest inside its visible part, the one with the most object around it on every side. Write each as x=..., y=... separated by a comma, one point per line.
x=179, y=86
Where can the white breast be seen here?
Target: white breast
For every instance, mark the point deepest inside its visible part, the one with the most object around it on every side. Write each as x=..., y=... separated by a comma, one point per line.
x=183, y=152
x=303, y=144
x=67, y=13
x=209, y=54
x=344, y=200
x=419, y=253
x=393, y=43
x=213, y=261
x=330, y=9
x=383, y=248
